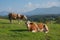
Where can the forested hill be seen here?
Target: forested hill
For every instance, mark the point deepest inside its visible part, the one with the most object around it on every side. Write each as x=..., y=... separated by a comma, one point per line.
x=47, y=17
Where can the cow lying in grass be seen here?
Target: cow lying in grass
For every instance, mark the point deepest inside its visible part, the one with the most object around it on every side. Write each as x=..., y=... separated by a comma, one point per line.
x=36, y=27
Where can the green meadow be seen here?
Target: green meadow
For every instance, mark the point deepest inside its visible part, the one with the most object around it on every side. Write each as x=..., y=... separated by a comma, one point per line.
x=17, y=31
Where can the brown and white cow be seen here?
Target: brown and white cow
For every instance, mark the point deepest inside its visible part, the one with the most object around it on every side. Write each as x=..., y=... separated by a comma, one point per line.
x=16, y=16
x=36, y=27
x=32, y=26
x=42, y=27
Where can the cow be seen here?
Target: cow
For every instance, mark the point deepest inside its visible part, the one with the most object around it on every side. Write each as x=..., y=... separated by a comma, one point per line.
x=42, y=27
x=15, y=16
x=31, y=26
x=37, y=27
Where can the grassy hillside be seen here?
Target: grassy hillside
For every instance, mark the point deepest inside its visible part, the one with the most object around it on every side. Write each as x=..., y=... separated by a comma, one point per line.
x=17, y=31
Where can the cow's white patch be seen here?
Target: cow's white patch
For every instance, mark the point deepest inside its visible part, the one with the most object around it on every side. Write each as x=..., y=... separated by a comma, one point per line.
x=46, y=32
x=28, y=25
x=33, y=31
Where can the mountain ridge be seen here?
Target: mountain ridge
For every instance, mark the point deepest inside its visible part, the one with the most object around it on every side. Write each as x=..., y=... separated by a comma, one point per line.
x=42, y=11
x=37, y=11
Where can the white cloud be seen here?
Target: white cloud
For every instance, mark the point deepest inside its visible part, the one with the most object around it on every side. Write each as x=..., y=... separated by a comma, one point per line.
x=31, y=6
x=49, y=4
x=28, y=7
x=10, y=9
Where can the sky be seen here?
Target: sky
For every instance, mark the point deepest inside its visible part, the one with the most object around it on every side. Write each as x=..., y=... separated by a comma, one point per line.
x=26, y=5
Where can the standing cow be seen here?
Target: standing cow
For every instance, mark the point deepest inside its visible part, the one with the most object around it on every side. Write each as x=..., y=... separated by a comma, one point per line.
x=16, y=16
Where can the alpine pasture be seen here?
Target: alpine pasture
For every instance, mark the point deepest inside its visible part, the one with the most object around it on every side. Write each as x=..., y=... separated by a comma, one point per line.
x=17, y=31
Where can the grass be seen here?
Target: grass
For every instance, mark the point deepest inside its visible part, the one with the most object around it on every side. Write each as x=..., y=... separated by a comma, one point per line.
x=17, y=31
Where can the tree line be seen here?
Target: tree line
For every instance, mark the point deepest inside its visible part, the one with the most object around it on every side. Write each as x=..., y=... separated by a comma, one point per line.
x=41, y=18
x=46, y=18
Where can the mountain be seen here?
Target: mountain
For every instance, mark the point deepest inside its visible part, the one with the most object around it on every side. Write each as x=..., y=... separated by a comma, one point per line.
x=38, y=11
x=44, y=11
x=4, y=13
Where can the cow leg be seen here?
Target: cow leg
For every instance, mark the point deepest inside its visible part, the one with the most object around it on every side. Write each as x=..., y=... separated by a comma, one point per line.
x=19, y=21
x=10, y=20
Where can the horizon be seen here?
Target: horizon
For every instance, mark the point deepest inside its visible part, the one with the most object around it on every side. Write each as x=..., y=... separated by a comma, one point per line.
x=26, y=5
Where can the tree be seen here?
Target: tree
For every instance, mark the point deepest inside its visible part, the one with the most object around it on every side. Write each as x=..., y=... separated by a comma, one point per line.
x=58, y=19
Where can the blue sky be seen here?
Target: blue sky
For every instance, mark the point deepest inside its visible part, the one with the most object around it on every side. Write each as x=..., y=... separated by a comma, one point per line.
x=26, y=5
